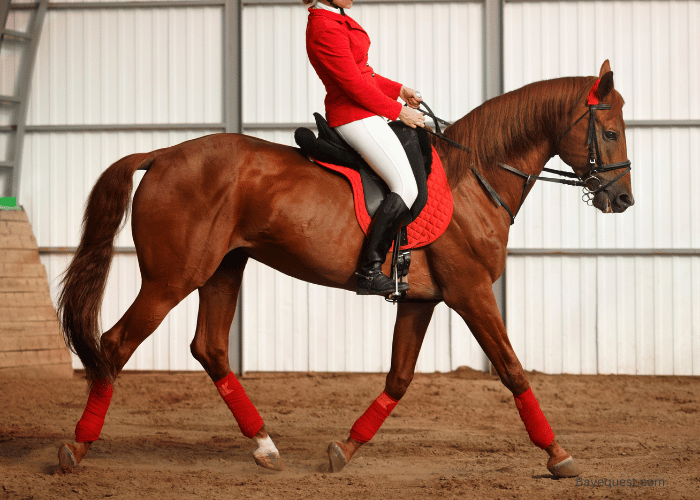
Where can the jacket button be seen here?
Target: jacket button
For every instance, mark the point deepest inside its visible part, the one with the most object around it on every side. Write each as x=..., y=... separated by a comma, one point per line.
x=372, y=74
x=367, y=64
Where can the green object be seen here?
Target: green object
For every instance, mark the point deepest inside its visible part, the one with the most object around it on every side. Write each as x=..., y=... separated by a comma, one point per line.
x=7, y=202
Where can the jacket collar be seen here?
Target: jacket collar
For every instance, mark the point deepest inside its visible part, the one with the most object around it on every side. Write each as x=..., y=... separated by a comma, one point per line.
x=313, y=12
x=329, y=8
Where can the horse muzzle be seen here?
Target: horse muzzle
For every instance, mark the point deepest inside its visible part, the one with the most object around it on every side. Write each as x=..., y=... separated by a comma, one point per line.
x=611, y=201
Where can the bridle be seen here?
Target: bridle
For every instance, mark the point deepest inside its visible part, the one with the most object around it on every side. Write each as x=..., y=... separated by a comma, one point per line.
x=590, y=182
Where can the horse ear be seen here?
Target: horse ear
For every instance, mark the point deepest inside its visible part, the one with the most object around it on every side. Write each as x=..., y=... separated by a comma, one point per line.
x=606, y=85
x=605, y=68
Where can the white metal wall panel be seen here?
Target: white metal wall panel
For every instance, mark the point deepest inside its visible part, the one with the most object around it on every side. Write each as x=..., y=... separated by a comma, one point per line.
x=117, y=66
x=290, y=325
x=554, y=329
x=641, y=311
x=622, y=314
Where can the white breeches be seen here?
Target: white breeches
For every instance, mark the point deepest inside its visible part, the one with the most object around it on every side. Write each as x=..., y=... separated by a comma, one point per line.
x=381, y=149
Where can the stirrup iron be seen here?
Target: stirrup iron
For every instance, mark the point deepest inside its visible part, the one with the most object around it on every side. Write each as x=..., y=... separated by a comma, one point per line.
x=400, y=260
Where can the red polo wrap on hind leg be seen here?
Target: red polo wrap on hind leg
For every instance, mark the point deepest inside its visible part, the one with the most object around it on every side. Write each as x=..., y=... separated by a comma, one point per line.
x=371, y=420
x=538, y=428
x=90, y=424
x=248, y=418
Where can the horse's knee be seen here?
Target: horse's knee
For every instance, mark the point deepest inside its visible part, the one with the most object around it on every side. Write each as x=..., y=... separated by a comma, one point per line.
x=513, y=377
x=199, y=351
x=397, y=384
x=213, y=358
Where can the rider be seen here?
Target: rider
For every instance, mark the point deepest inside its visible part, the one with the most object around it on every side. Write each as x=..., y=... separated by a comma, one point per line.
x=356, y=101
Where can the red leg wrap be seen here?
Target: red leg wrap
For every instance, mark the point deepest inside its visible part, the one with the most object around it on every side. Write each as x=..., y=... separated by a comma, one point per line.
x=237, y=400
x=371, y=420
x=90, y=424
x=538, y=428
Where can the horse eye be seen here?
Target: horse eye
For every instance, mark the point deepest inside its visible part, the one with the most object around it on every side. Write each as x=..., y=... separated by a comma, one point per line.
x=610, y=136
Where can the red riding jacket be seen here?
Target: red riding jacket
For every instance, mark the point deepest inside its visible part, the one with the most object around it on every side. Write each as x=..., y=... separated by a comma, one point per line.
x=338, y=50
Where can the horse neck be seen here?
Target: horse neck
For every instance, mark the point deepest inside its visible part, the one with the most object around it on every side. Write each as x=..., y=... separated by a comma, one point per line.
x=519, y=129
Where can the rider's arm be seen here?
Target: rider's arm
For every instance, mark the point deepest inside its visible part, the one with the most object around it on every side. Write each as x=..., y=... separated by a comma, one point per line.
x=332, y=49
x=391, y=88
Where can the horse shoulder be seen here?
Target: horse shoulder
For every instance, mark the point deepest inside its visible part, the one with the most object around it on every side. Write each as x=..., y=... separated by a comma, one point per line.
x=478, y=231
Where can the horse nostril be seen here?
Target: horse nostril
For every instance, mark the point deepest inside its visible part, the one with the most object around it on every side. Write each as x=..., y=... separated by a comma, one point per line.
x=625, y=200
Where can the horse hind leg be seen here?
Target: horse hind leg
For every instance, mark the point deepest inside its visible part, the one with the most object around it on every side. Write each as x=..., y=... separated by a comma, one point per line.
x=217, y=307
x=148, y=310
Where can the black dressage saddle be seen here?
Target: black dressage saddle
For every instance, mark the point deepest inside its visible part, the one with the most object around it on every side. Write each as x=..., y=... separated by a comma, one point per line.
x=331, y=148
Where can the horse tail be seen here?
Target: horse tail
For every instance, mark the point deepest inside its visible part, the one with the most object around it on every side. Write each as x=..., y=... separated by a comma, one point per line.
x=83, y=283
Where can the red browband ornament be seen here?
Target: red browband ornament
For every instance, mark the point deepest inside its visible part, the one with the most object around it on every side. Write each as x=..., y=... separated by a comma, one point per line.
x=593, y=94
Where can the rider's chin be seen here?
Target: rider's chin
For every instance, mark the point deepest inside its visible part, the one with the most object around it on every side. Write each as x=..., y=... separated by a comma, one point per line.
x=602, y=202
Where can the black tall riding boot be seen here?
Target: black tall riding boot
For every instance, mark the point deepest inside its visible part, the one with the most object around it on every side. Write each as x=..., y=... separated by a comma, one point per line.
x=386, y=224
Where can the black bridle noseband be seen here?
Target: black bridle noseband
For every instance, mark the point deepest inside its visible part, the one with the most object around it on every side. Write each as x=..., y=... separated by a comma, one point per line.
x=590, y=182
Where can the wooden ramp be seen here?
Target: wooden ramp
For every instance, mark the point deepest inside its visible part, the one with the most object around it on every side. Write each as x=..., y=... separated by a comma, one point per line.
x=30, y=340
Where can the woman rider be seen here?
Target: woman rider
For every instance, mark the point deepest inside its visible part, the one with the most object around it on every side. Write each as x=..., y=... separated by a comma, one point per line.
x=356, y=101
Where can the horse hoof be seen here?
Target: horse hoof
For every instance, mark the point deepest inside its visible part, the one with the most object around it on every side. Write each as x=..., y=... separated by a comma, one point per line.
x=66, y=459
x=268, y=459
x=336, y=457
x=565, y=468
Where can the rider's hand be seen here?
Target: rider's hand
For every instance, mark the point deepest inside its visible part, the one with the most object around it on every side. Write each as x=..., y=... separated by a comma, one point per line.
x=410, y=97
x=411, y=117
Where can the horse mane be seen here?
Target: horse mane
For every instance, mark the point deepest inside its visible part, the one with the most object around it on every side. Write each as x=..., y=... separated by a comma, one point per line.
x=508, y=125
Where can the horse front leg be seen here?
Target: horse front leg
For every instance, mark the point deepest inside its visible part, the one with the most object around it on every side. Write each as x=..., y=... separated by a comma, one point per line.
x=412, y=320
x=477, y=306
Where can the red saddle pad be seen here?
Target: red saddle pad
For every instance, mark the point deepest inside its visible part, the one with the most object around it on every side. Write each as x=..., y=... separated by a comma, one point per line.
x=434, y=217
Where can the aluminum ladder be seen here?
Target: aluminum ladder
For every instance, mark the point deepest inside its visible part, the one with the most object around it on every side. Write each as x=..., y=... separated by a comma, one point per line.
x=16, y=48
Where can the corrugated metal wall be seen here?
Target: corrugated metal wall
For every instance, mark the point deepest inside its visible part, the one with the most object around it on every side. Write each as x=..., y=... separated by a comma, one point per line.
x=289, y=325
x=576, y=314
x=100, y=67
x=613, y=313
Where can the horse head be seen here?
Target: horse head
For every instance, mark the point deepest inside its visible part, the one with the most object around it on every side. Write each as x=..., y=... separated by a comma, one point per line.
x=596, y=149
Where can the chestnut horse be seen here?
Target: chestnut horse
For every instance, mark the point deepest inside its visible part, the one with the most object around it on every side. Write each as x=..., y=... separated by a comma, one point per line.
x=206, y=206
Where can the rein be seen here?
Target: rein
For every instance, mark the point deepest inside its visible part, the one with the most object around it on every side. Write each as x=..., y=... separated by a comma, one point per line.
x=591, y=183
